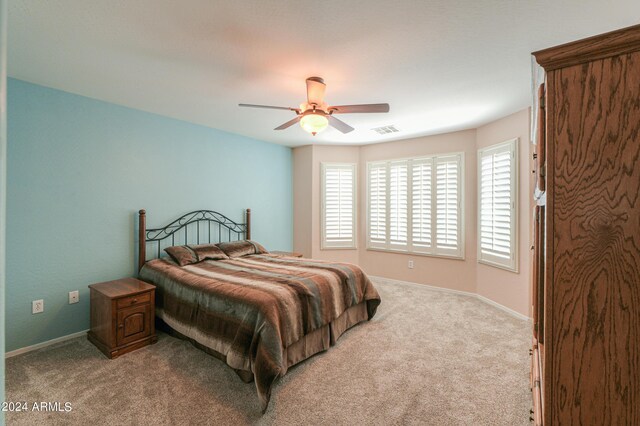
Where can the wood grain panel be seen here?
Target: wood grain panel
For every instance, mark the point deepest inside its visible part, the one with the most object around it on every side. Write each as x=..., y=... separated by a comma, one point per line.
x=100, y=318
x=537, y=394
x=133, y=323
x=540, y=265
x=618, y=42
x=535, y=269
x=547, y=372
x=541, y=143
x=122, y=287
x=595, y=237
x=138, y=299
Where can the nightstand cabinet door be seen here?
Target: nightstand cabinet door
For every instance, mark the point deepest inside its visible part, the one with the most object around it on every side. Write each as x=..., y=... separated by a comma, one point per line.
x=133, y=324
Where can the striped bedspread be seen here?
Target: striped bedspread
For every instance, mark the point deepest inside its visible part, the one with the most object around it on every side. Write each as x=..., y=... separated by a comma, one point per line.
x=251, y=308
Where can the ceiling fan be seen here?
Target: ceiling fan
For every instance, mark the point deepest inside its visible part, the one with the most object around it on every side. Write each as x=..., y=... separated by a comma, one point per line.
x=315, y=115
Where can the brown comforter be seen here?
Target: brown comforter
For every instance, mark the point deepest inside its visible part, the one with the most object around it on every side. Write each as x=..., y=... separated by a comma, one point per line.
x=251, y=308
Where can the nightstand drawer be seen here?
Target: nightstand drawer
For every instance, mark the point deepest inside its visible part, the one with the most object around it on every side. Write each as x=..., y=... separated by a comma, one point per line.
x=138, y=299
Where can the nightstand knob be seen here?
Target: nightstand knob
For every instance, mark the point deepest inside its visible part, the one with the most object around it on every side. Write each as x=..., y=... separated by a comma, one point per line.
x=134, y=301
x=120, y=325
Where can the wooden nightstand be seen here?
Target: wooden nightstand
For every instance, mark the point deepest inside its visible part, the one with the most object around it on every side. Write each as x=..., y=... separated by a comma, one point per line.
x=286, y=253
x=122, y=316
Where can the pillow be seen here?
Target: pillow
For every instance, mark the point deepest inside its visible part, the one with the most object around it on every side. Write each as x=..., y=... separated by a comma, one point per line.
x=209, y=251
x=183, y=255
x=241, y=248
x=189, y=254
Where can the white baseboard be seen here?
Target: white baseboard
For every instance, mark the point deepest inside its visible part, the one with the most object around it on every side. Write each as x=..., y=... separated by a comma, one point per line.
x=502, y=307
x=45, y=344
x=450, y=290
x=432, y=287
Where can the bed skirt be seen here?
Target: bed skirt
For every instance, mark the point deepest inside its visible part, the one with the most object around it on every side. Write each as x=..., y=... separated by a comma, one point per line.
x=317, y=341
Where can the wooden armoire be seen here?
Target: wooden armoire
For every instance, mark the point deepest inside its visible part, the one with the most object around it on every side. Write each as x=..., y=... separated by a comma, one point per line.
x=586, y=272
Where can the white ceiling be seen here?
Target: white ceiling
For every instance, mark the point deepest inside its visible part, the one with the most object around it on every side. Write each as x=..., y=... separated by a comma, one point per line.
x=442, y=65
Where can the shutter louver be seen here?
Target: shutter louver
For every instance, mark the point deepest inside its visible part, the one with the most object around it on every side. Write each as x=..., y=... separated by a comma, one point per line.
x=421, y=176
x=377, y=205
x=447, y=204
x=339, y=206
x=398, y=205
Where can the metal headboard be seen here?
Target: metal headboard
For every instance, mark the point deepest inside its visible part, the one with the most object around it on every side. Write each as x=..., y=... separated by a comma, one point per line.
x=222, y=225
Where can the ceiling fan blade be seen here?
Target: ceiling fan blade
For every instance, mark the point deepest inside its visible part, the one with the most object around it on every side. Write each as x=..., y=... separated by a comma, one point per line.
x=269, y=107
x=288, y=124
x=339, y=124
x=350, y=109
x=315, y=90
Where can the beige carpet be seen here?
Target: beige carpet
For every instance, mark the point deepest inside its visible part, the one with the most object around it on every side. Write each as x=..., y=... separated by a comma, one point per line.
x=428, y=357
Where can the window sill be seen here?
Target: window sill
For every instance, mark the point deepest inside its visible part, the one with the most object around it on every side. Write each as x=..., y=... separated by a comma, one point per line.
x=499, y=266
x=338, y=248
x=413, y=253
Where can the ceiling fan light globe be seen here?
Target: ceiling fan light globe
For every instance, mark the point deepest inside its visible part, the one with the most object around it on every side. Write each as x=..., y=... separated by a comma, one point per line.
x=314, y=123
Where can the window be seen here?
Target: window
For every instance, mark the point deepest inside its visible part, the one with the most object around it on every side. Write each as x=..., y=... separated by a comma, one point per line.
x=338, y=214
x=415, y=205
x=498, y=198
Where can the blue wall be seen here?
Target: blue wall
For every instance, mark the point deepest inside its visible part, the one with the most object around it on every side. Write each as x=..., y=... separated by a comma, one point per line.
x=3, y=186
x=78, y=171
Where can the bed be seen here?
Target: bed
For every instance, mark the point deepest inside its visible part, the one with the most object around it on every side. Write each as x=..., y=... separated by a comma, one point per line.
x=259, y=312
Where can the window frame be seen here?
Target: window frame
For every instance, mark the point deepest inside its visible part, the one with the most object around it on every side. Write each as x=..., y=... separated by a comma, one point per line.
x=324, y=245
x=513, y=265
x=433, y=251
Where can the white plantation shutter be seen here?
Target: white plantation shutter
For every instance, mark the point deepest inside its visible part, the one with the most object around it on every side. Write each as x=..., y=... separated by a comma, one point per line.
x=338, y=205
x=421, y=177
x=398, y=197
x=497, y=167
x=448, y=205
x=377, y=214
x=412, y=208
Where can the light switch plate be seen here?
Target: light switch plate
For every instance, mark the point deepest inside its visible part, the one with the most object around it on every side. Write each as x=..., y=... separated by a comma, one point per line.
x=74, y=297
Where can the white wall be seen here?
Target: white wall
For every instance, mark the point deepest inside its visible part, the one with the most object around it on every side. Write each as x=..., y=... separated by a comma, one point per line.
x=302, y=209
x=450, y=273
x=505, y=287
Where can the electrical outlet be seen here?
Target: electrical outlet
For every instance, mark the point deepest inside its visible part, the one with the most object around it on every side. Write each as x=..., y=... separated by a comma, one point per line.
x=411, y=264
x=74, y=297
x=37, y=306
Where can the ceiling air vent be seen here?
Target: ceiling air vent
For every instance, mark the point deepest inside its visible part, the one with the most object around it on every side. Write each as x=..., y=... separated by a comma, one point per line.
x=384, y=130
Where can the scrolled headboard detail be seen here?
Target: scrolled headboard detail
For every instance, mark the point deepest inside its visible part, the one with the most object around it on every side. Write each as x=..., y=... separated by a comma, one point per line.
x=179, y=228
